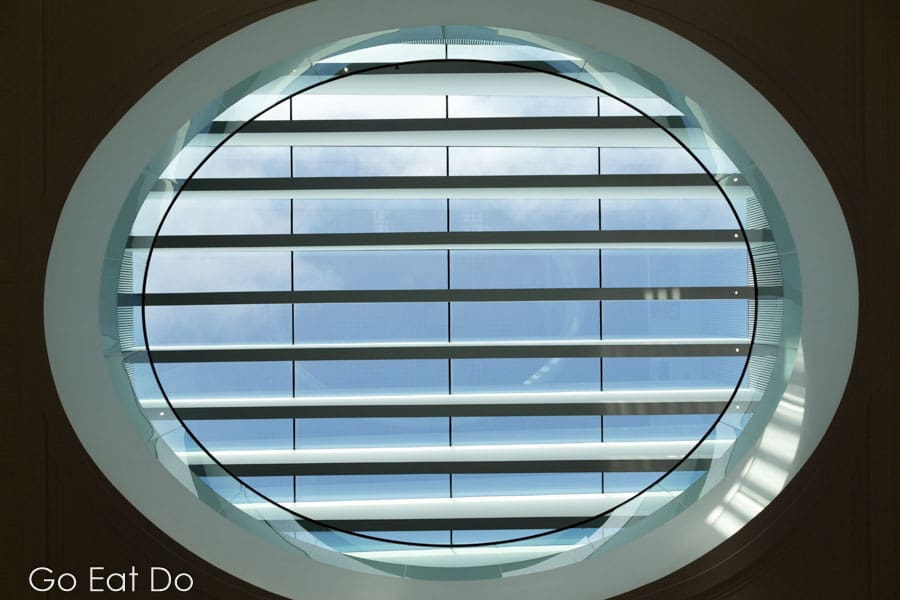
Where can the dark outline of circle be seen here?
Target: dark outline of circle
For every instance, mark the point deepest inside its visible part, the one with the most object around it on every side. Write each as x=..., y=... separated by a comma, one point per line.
x=577, y=524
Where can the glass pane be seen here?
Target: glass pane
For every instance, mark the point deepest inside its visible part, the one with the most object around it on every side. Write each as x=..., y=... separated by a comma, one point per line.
x=248, y=161
x=522, y=106
x=370, y=270
x=341, y=377
x=243, y=434
x=369, y=216
x=525, y=374
x=681, y=213
x=675, y=268
x=363, y=106
x=223, y=216
x=217, y=271
x=524, y=320
x=524, y=214
x=636, y=428
x=225, y=380
x=675, y=319
x=348, y=161
x=524, y=484
x=523, y=161
x=242, y=324
x=525, y=430
x=481, y=269
x=279, y=489
x=635, y=482
x=318, y=488
x=395, y=432
x=682, y=372
x=367, y=322
x=615, y=161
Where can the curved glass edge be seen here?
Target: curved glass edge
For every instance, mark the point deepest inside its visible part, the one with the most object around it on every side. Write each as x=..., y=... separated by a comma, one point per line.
x=776, y=361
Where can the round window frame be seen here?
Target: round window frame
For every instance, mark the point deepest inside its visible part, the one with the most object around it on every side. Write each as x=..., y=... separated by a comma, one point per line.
x=75, y=269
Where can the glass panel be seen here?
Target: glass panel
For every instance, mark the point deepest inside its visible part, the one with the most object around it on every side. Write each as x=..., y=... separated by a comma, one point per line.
x=339, y=377
x=522, y=161
x=680, y=213
x=569, y=536
x=248, y=161
x=635, y=482
x=524, y=214
x=368, y=322
x=318, y=488
x=647, y=160
x=675, y=268
x=215, y=271
x=218, y=325
x=522, y=106
x=524, y=484
x=279, y=489
x=525, y=374
x=523, y=269
x=362, y=106
x=225, y=380
x=636, y=428
x=524, y=320
x=395, y=432
x=655, y=107
x=365, y=161
x=243, y=434
x=525, y=430
x=371, y=270
x=682, y=372
x=223, y=216
x=675, y=319
x=368, y=216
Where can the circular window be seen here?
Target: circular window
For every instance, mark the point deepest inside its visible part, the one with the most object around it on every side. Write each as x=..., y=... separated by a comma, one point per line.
x=452, y=303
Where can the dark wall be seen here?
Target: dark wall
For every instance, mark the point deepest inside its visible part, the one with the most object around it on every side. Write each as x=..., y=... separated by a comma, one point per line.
x=72, y=68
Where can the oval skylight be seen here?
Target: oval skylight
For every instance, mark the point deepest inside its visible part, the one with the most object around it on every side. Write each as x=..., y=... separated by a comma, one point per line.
x=449, y=303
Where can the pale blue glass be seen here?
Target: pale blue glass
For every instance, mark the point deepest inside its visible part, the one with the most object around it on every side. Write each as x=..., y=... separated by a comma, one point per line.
x=322, y=488
x=526, y=430
x=371, y=322
x=524, y=484
x=675, y=319
x=522, y=106
x=480, y=269
x=524, y=214
x=368, y=161
x=525, y=374
x=522, y=161
x=680, y=372
x=367, y=377
x=225, y=380
x=675, y=267
x=524, y=320
x=228, y=324
x=370, y=270
x=380, y=432
x=370, y=215
x=242, y=434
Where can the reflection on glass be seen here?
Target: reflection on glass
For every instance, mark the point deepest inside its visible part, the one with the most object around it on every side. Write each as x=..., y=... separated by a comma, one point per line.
x=675, y=268
x=636, y=428
x=278, y=488
x=525, y=374
x=680, y=372
x=247, y=161
x=322, y=488
x=615, y=161
x=676, y=319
